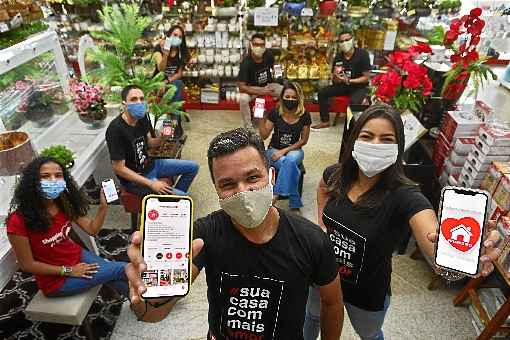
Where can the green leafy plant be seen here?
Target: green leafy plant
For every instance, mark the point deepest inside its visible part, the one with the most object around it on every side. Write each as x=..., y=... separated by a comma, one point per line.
x=123, y=27
x=60, y=153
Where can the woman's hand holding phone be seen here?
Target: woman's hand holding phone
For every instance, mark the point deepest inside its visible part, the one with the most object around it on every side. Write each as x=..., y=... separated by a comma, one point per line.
x=489, y=251
x=137, y=265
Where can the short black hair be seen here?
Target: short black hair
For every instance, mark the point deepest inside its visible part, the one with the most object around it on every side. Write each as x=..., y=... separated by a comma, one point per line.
x=232, y=141
x=346, y=31
x=260, y=36
x=125, y=90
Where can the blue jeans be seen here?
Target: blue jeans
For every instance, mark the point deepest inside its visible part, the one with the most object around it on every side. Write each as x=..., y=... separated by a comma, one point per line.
x=110, y=272
x=170, y=167
x=287, y=180
x=179, y=84
x=367, y=324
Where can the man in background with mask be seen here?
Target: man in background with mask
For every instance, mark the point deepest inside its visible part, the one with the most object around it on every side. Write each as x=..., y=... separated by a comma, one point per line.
x=351, y=68
x=255, y=78
x=128, y=139
x=259, y=260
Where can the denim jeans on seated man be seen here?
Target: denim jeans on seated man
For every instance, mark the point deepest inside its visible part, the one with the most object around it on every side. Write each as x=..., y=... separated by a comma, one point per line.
x=287, y=181
x=367, y=324
x=163, y=168
x=109, y=272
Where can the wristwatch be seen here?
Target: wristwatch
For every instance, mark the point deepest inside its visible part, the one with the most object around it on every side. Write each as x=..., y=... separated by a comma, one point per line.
x=66, y=271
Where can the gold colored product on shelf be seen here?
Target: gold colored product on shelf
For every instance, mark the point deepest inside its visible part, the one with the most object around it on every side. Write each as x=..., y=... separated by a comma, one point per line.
x=292, y=71
x=303, y=71
x=314, y=71
x=357, y=11
x=325, y=71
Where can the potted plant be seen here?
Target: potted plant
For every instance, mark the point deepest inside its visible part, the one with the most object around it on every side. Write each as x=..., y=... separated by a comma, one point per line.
x=406, y=84
x=62, y=154
x=15, y=151
x=121, y=67
x=467, y=64
x=327, y=7
x=226, y=8
x=89, y=103
x=382, y=8
x=294, y=7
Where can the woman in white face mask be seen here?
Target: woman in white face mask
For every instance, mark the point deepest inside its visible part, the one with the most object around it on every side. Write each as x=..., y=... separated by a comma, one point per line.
x=366, y=204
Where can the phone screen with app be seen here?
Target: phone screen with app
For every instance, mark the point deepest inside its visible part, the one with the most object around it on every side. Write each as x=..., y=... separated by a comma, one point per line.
x=462, y=220
x=167, y=45
x=166, y=246
x=109, y=190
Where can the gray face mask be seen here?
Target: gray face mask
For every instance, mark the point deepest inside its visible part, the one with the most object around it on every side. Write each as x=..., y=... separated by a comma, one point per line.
x=249, y=208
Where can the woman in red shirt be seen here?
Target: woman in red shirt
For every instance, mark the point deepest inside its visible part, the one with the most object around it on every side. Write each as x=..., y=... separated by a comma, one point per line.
x=46, y=201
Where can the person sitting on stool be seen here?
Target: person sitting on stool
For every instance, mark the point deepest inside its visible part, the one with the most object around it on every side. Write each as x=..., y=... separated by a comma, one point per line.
x=350, y=78
x=128, y=139
x=255, y=77
x=290, y=123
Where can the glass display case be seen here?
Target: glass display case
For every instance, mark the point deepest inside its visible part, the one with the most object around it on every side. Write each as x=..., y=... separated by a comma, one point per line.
x=36, y=112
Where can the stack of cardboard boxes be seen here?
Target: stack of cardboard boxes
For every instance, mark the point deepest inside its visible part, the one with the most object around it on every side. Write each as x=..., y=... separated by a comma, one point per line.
x=455, y=141
x=491, y=145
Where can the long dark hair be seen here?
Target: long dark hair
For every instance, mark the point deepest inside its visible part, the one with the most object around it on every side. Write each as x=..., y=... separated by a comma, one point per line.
x=28, y=200
x=183, y=48
x=347, y=171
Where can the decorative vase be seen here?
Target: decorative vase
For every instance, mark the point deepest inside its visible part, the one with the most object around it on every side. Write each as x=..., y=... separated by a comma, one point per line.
x=294, y=8
x=453, y=92
x=94, y=117
x=327, y=7
x=15, y=152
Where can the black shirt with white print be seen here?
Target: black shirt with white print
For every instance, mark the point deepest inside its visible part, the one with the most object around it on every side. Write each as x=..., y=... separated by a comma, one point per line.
x=285, y=134
x=129, y=143
x=364, y=240
x=355, y=66
x=256, y=74
x=259, y=291
x=173, y=64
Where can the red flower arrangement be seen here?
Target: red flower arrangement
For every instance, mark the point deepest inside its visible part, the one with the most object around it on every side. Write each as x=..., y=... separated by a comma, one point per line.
x=466, y=62
x=406, y=84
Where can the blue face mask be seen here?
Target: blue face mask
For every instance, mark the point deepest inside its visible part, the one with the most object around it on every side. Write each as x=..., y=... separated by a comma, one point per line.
x=174, y=41
x=136, y=110
x=52, y=189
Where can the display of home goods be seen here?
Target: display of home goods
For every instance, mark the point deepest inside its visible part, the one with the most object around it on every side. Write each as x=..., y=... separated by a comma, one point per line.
x=455, y=139
x=494, y=175
x=503, y=227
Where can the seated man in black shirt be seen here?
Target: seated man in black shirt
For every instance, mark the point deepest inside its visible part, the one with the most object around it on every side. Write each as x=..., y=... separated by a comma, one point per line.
x=255, y=78
x=350, y=70
x=128, y=140
x=259, y=260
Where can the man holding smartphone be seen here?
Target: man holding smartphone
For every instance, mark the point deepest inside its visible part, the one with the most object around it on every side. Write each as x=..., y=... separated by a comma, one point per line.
x=350, y=75
x=128, y=139
x=255, y=77
x=259, y=260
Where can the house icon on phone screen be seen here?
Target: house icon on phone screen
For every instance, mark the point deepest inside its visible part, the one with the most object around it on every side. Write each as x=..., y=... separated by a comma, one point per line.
x=461, y=233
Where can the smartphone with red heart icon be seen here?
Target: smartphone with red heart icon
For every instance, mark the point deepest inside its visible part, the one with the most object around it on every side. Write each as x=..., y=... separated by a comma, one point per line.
x=166, y=226
x=463, y=214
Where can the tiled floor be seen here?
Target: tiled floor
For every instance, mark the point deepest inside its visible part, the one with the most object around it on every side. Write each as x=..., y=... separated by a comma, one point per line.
x=415, y=312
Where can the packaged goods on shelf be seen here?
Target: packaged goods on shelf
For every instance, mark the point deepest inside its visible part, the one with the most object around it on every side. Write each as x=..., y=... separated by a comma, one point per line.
x=460, y=124
x=452, y=168
x=496, y=211
x=495, y=137
x=492, y=150
x=503, y=227
x=453, y=180
x=464, y=145
x=502, y=192
x=496, y=171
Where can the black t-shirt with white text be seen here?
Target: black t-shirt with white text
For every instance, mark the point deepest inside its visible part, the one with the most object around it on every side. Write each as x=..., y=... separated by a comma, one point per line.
x=173, y=64
x=354, y=67
x=129, y=143
x=256, y=74
x=259, y=291
x=364, y=240
x=285, y=134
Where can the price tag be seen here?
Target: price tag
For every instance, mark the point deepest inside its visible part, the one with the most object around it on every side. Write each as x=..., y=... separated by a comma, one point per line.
x=266, y=16
x=307, y=12
x=259, y=108
x=411, y=13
